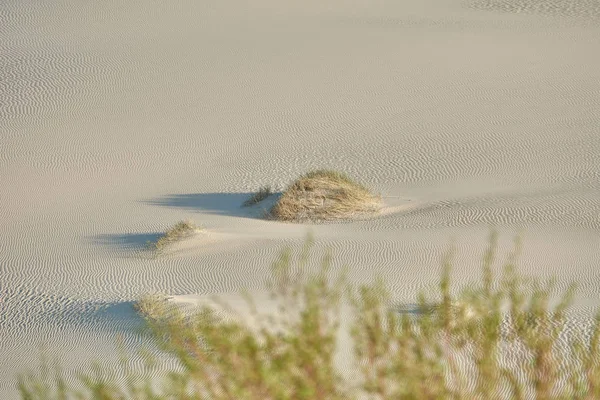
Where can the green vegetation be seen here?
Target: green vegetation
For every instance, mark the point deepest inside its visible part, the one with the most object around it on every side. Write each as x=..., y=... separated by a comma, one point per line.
x=452, y=347
x=260, y=195
x=179, y=231
x=324, y=195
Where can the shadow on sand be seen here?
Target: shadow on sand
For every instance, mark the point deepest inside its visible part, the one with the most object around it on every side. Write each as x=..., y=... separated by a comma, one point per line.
x=229, y=204
x=414, y=309
x=134, y=244
x=127, y=241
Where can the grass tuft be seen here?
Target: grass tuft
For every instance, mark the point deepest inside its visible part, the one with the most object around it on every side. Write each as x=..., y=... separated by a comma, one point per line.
x=324, y=195
x=151, y=306
x=260, y=195
x=179, y=231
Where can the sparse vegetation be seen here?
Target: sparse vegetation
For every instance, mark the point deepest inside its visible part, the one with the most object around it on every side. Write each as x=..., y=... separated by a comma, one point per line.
x=260, y=195
x=324, y=195
x=151, y=306
x=497, y=340
x=179, y=231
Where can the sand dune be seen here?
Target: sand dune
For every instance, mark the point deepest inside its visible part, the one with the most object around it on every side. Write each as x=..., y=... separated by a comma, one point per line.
x=119, y=119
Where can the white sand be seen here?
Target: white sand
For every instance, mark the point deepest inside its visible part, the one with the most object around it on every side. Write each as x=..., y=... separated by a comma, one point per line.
x=117, y=119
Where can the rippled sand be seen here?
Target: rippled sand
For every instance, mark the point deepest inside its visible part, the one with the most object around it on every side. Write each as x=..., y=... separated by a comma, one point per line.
x=117, y=119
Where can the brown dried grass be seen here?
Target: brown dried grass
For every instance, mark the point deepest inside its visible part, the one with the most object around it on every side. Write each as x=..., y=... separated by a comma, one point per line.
x=324, y=195
x=177, y=232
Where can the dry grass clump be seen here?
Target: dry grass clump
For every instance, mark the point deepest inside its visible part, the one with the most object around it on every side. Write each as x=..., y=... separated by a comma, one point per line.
x=179, y=231
x=260, y=195
x=151, y=306
x=324, y=195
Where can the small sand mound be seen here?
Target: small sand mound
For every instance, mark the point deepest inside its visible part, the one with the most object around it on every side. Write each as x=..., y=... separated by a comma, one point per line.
x=324, y=195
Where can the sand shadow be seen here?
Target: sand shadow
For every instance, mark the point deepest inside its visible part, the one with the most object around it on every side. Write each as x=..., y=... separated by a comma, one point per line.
x=113, y=318
x=229, y=204
x=130, y=243
x=413, y=309
x=119, y=314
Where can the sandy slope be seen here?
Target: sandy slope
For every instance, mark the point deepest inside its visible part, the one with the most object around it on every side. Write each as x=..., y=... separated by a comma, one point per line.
x=119, y=118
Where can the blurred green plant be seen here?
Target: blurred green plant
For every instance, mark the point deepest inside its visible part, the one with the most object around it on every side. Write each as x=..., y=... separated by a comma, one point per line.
x=498, y=339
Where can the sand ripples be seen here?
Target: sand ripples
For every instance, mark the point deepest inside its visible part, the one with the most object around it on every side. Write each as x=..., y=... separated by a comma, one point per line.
x=117, y=120
x=575, y=208
x=559, y=8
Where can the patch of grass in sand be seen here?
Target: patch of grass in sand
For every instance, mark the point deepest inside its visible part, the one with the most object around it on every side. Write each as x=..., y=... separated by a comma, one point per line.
x=498, y=338
x=260, y=195
x=177, y=232
x=324, y=195
x=151, y=306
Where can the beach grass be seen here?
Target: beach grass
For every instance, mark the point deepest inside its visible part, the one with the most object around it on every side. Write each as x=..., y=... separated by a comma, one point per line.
x=151, y=306
x=175, y=233
x=455, y=346
x=262, y=193
x=324, y=195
